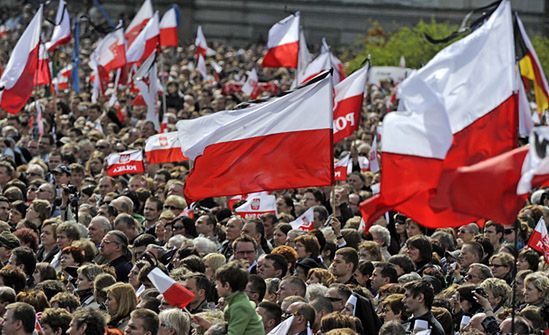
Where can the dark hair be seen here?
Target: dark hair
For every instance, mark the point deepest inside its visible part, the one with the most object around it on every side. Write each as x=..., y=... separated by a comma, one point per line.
x=202, y=283
x=27, y=236
x=56, y=318
x=476, y=248
x=319, y=196
x=50, y=287
x=424, y=246
x=418, y=287
x=388, y=271
x=258, y=286
x=94, y=320
x=279, y=263
x=499, y=228
x=194, y=263
x=232, y=274
x=310, y=243
x=530, y=256
x=297, y=283
x=349, y=256
x=190, y=228
x=66, y=300
x=260, y=229
x=25, y=256
x=144, y=240
x=273, y=310
x=13, y=277
x=24, y=313
x=34, y=297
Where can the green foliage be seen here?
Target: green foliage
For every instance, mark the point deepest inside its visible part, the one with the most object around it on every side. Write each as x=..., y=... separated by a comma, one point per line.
x=541, y=45
x=387, y=48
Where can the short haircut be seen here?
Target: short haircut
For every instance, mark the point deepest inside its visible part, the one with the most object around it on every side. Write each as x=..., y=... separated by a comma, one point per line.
x=258, y=285
x=349, y=256
x=26, y=257
x=476, y=248
x=273, y=310
x=244, y=238
x=24, y=313
x=499, y=288
x=388, y=271
x=56, y=318
x=279, y=263
x=384, y=232
x=322, y=304
x=69, y=229
x=310, y=243
x=7, y=294
x=343, y=291
x=297, y=283
x=418, y=287
x=373, y=248
x=499, y=228
x=94, y=320
x=202, y=282
x=176, y=319
x=34, y=297
x=321, y=211
x=336, y=320
x=66, y=300
x=234, y=275
x=150, y=319
x=307, y=311
x=531, y=257
x=485, y=271
x=394, y=302
x=13, y=277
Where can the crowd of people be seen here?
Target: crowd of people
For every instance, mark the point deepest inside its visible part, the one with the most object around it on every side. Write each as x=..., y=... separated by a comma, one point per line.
x=76, y=246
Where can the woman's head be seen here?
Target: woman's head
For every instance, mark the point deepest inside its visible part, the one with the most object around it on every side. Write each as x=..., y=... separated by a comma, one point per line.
x=280, y=234
x=502, y=264
x=528, y=259
x=307, y=246
x=321, y=276
x=72, y=256
x=419, y=249
x=536, y=288
x=497, y=290
x=121, y=300
x=86, y=276
x=392, y=308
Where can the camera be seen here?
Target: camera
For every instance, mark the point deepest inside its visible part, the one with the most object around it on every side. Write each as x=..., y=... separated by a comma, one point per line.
x=480, y=291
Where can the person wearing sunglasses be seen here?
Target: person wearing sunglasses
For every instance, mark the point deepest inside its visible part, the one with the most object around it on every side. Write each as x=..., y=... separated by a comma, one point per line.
x=502, y=265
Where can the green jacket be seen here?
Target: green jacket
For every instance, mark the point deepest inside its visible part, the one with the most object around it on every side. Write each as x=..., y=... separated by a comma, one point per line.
x=241, y=316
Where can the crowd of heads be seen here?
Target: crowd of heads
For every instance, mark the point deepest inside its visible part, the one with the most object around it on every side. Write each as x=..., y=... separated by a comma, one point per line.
x=77, y=246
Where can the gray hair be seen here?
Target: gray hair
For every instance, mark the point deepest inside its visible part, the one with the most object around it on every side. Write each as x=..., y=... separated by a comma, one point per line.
x=485, y=271
x=315, y=290
x=384, y=232
x=204, y=246
x=408, y=277
x=176, y=319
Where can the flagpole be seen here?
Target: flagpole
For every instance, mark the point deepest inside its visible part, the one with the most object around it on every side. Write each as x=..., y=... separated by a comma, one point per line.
x=514, y=288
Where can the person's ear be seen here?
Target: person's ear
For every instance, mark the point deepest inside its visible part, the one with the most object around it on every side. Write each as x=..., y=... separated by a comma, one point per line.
x=271, y=323
x=421, y=297
x=58, y=331
x=278, y=273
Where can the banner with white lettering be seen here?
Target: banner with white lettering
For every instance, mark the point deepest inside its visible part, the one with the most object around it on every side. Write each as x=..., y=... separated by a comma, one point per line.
x=127, y=162
x=256, y=205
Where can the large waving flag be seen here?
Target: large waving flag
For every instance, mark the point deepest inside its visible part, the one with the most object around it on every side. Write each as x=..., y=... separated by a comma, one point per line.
x=110, y=52
x=201, y=45
x=349, y=95
x=143, y=16
x=17, y=80
x=283, y=43
x=530, y=68
x=482, y=115
x=164, y=148
x=43, y=74
x=336, y=63
x=168, y=29
x=62, y=30
x=145, y=43
x=235, y=150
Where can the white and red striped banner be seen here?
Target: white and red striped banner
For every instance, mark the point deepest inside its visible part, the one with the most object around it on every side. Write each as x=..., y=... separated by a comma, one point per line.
x=126, y=162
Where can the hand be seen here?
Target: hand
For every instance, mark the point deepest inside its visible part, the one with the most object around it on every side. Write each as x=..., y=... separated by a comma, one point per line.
x=336, y=226
x=201, y=322
x=483, y=301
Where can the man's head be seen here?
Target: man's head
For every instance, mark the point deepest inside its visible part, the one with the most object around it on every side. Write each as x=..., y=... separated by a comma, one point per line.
x=233, y=228
x=8, y=242
x=320, y=215
x=113, y=245
x=291, y=286
x=304, y=314
x=142, y=322
x=123, y=204
x=467, y=232
x=272, y=266
x=199, y=285
x=98, y=227
x=344, y=264
x=312, y=197
x=4, y=208
x=174, y=321
x=205, y=225
x=255, y=288
x=152, y=209
x=23, y=258
x=477, y=273
x=245, y=247
x=230, y=278
x=384, y=273
x=255, y=229
x=87, y=321
x=338, y=294
x=128, y=225
x=493, y=232
x=270, y=313
x=471, y=252
x=55, y=321
x=67, y=233
x=269, y=222
x=418, y=297
x=19, y=319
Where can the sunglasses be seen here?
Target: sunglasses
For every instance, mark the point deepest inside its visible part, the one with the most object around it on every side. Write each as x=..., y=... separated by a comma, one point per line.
x=171, y=207
x=508, y=231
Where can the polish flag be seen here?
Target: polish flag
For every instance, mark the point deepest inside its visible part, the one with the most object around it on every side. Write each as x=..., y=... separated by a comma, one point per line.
x=305, y=221
x=250, y=86
x=257, y=204
x=143, y=16
x=349, y=95
x=539, y=240
x=201, y=45
x=168, y=29
x=43, y=76
x=62, y=30
x=126, y=162
x=454, y=125
x=336, y=63
x=145, y=43
x=343, y=167
x=17, y=80
x=373, y=162
x=164, y=148
x=283, y=43
x=110, y=52
x=363, y=163
x=173, y=292
x=320, y=64
x=62, y=81
x=304, y=58
x=201, y=67
x=235, y=152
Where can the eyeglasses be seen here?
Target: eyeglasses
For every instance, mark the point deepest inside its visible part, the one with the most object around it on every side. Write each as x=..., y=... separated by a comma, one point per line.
x=108, y=242
x=333, y=299
x=170, y=207
x=508, y=231
x=245, y=252
x=498, y=265
x=34, y=174
x=101, y=147
x=462, y=231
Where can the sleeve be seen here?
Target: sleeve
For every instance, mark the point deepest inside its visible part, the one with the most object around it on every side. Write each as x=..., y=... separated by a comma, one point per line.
x=238, y=320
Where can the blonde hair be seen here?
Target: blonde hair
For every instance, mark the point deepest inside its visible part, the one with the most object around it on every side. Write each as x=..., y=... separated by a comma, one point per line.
x=325, y=277
x=498, y=287
x=176, y=319
x=540, y=282
x=124, y=294
x=373, y=248
x=214, y=260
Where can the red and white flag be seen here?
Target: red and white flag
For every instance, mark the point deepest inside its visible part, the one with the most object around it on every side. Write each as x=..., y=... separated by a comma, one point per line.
x=145, y=43
x=250, y=86
x=17, y=80
x=201, y=45
x=336, y=63
x=164, y=148
x=283, y=43
x=305, y=221
x=43, y=74
x=143, y=16
x=173, y=292
x=304, y=58
x=539, y=240
x=373, y=161
x=320, y=64
x=257, y=204
x=62, y=81
x=482, y=117
x=110, y=52
x=201, y=67
x=62, y=30
x=168, y=29
x=343, y=167
x=234, y=154
x=349, y=95
x=127, y=162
